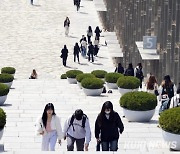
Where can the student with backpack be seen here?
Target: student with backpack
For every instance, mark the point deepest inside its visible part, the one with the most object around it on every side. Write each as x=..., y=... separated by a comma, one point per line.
x=129, y=71
x=119, y=69
x=138, y=72
x=167, y=89
x=77, y=129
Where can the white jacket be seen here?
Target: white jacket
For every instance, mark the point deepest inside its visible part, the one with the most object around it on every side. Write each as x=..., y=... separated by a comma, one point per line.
x=55, y=125
x=175, y=101
x=79, y=132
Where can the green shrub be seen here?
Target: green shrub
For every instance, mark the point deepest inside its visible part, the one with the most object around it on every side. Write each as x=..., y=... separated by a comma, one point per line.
x=99, y=73
x=92, y=83
x=9, y=70
x=73, y=73
x=80, y=77
x=128, y=82
x=4, y=89
x=170, y=120
x=112, y=77
x=138, y=101
x=63, y=76
x=2, y=118
x=4, y=78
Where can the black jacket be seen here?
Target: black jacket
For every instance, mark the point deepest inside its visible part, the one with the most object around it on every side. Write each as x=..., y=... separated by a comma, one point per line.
x=76, y=50
x=119, y=70
x=110, y=128
x=90, y=49
x=64, y=53
x=129, y=72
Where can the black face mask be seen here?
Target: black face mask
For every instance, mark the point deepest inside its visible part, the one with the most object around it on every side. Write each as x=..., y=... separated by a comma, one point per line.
x=79, y=117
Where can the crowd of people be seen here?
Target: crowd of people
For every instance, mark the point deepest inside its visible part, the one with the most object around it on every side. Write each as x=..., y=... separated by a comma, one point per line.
x=167, y=92
x=108, y=126
x=87, y=48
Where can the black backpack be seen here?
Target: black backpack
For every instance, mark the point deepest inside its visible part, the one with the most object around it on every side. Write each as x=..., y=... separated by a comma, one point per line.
x=169, y=90
x=83, y=121
x=139, y=73
x=128, y=72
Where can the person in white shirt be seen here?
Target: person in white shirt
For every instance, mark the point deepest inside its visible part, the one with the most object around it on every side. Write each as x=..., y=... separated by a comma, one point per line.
x=84, y=47
x=49, y=126
x=77, y=129
x=175, y=101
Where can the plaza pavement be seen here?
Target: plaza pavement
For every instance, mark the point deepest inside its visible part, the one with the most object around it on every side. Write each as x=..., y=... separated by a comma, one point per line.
x=32, y=37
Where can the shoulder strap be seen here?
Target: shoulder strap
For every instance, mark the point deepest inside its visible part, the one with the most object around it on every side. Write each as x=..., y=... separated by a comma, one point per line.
x=84, y=120
x=71, y=122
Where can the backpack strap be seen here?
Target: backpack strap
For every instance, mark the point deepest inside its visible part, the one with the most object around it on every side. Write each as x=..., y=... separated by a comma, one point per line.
x=84, y=120
x=71, y=122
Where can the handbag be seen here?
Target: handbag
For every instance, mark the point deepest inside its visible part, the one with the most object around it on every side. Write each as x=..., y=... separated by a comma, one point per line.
x=156, y=92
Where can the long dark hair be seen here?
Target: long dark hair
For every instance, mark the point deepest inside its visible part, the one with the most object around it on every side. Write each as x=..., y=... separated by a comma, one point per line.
x=89, y=29
x=130, y=65
x=167, y=82
x=106, y=105
x=44, y=116
x=150, y=83
x=140, y=65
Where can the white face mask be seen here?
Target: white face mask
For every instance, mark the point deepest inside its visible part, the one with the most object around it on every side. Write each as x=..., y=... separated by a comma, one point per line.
x=107, y=112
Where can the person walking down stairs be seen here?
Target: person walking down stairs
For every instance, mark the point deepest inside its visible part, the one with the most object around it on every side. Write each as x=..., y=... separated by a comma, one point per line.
x=64, y=55
x=66, y=26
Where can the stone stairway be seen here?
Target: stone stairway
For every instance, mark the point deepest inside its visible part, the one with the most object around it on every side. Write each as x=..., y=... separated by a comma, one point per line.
x=26, y=102
x=32, y=37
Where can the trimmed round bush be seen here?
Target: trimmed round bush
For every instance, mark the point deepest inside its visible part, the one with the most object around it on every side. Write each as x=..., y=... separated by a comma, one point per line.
x=169, y=120
x=92, y=83
x=80, y=77
x=138, y=101
x=4, y=90
x=112, y=77
x=99, y=73
x=128, y=82
x=8, y=70
x=4, y=78
x=63, y=76
x=73, y=73
x=2, y=118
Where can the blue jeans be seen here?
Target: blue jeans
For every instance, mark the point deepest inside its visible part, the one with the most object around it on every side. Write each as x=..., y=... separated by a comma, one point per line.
x=83, y=51
x=49, y=141
x=110, y=146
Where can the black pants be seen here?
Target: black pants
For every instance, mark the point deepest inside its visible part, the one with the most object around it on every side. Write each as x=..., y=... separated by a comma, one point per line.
x=32, y=2
x=64, y=61
x=75, y=57
x=141, y=82
x=96, y=49
x=79, y=143
x=90, y=56
x=89, y=39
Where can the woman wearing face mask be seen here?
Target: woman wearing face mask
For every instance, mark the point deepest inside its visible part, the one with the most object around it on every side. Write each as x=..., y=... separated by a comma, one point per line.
x=108, y=125
x=49, y=127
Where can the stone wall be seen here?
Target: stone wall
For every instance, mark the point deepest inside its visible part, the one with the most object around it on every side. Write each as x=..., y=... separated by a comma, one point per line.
x=133, y=19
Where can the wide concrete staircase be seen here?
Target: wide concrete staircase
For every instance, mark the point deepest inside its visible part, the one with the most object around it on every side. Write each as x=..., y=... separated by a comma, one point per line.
x=26, y=102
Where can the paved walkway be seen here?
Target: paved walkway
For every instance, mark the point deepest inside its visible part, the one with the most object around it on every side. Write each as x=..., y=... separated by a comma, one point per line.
x=32, y=37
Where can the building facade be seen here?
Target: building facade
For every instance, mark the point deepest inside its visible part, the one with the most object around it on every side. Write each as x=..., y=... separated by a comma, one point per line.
x=133, y=19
